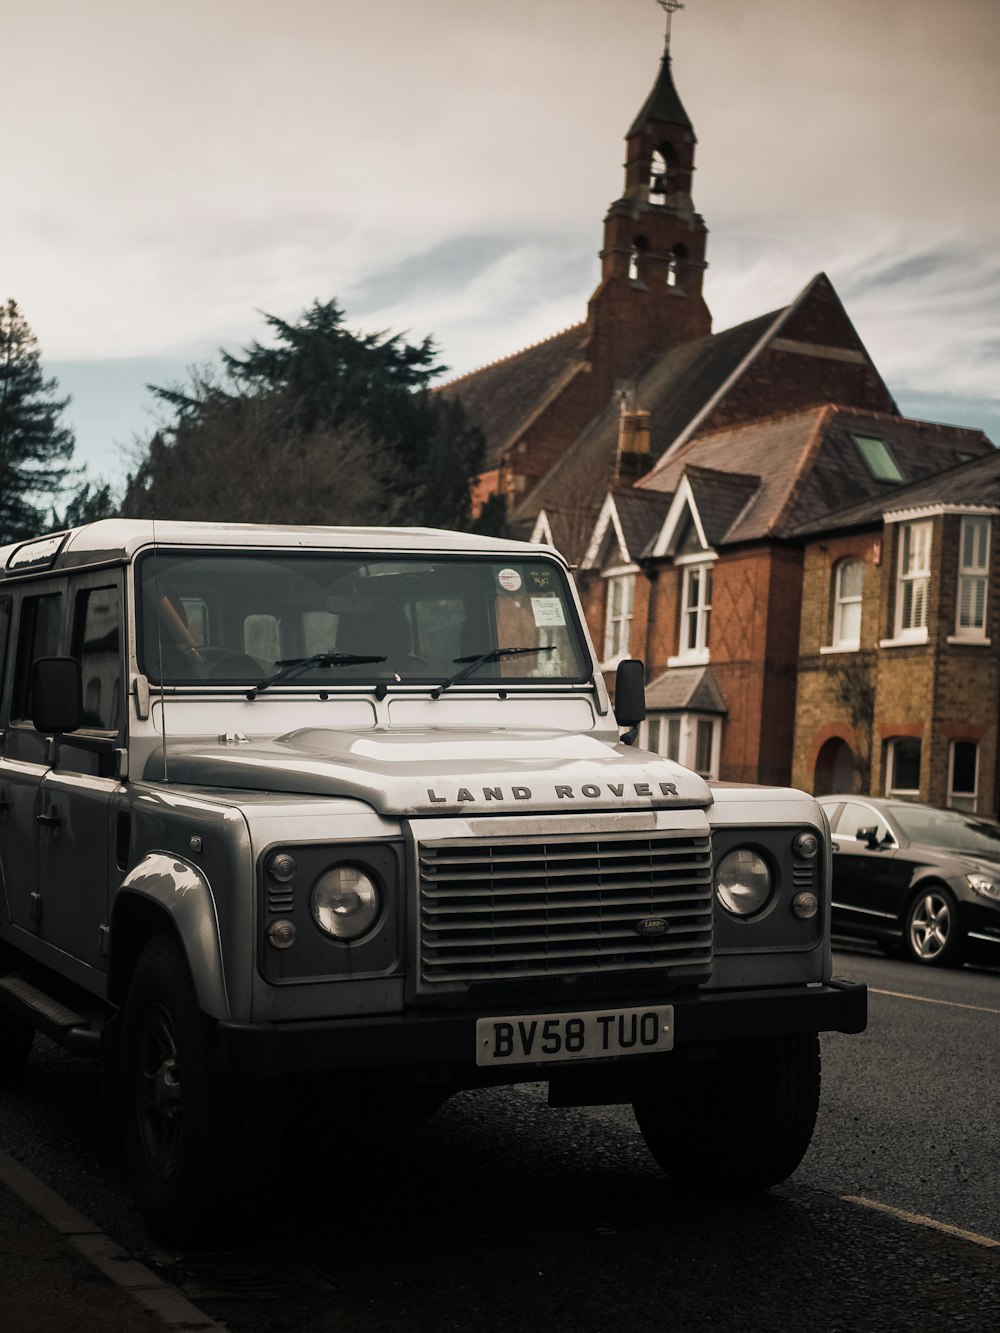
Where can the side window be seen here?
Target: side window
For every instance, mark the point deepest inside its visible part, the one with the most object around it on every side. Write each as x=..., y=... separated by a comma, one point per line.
x=41, y=618
x=4, y=634
x=855, y=816
x=97, y=643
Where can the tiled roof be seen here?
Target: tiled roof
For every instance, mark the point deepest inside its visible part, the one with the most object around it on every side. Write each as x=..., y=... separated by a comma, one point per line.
x=641, y=514
x=721, y=498
x=500, y=398
x=673, y=390
x=975, y=483
x=809, y=465
x=690, y=689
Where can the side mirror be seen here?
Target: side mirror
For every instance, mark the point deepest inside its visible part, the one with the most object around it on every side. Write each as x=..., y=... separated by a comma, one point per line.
x=56, y=694
x=630, y=697
x=869, y=836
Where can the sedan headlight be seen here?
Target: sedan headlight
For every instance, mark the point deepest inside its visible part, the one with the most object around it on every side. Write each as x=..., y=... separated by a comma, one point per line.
x=345, y=903
x=743, y=882
x=984, y=884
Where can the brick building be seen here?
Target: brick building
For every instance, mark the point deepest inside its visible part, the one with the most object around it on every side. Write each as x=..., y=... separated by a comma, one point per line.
x=898, y=674
x=691, y=474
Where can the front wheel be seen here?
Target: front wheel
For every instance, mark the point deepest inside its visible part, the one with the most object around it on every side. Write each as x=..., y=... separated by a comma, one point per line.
x=740, y=1122
x=931, y=935
x=197, y=1142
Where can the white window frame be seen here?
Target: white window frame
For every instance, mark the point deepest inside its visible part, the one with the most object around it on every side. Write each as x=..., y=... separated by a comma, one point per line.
x=973, y=574
x=966, y=801
x=698, y=611
x=659, y=731
x=838, y=642
x=618, y=625
x=913, y=576
x=890, y=767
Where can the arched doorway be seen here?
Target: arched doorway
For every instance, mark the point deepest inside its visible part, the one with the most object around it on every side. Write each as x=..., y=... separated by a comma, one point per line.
x=835, y=770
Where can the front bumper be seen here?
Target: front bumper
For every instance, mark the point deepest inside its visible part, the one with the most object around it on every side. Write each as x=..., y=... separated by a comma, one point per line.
x=408, y=1041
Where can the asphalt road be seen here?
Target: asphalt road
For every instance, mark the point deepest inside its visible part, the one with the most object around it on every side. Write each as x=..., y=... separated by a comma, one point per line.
x=503, y=1214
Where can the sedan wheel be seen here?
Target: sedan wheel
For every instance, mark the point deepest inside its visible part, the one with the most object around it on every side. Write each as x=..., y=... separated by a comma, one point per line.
x=931, y=933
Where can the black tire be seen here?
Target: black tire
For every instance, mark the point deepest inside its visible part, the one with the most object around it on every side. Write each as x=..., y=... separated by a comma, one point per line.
x=931, y=933
x=739, y=1123
x=16, y=1038
x=198, y=1144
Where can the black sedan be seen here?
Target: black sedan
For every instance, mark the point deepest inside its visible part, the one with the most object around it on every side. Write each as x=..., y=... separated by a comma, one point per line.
x=912, y=875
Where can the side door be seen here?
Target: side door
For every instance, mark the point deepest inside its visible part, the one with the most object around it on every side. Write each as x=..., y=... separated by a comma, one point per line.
x=863, y=893
x=36, y=612
x=77, y=795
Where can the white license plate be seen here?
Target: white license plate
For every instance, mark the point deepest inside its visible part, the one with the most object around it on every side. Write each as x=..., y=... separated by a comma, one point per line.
x=544, y=1038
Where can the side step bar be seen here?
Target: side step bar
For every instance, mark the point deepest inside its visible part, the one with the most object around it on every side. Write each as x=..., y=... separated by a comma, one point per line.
x=58, y=1022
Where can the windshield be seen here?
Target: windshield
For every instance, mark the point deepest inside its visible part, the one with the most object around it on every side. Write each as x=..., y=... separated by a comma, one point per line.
x=329, y=620
x=949, y=829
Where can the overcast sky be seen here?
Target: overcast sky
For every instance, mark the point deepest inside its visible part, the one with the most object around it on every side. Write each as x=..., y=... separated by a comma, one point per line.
x=443, y=167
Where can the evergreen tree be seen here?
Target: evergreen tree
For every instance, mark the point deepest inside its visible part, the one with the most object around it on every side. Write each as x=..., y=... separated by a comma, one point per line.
x=340, y=426
x=35, y=449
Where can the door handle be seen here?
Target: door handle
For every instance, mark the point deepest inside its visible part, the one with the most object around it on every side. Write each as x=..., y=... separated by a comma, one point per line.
x=51, y=818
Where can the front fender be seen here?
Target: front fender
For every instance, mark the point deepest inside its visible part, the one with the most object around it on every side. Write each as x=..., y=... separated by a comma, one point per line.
x=181, y=890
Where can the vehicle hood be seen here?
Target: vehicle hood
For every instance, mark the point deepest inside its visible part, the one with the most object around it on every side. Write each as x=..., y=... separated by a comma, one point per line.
x=423, y=772
x=960, y=862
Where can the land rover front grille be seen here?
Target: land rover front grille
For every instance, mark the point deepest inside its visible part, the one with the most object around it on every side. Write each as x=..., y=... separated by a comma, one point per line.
x=565, y=905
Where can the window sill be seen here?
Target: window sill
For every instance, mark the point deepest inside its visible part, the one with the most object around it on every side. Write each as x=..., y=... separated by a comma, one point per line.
x=841, y=648
x=689, y=659
x=908, y=642
x=975, y=642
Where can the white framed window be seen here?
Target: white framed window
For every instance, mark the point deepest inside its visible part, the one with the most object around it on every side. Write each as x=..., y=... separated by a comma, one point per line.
x=973, y=566
x=902, y=766
x=848, y=578
x=692, y=739
x=963, y=775
x=696, y=611
x=618, y=615
x=913, y=581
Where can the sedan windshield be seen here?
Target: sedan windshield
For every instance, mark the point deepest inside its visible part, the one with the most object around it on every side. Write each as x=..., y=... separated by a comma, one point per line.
x=949, y=829
x=325, y=620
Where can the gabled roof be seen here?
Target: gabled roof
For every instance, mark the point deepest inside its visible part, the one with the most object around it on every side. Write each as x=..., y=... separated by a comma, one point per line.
x=672, y=389
x=633, y=520
x=974, y=485
x=720, y=497
x=501, y=398
x=808, y=465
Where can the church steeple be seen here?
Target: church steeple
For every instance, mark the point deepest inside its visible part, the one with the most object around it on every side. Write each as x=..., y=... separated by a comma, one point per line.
x=653, y=257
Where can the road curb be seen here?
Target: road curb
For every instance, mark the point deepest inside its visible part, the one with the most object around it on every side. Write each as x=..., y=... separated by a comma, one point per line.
x=173, y=1310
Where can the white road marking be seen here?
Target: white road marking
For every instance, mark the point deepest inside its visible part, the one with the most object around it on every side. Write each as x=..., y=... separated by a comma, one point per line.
x=924, y=999
x=917, y=1219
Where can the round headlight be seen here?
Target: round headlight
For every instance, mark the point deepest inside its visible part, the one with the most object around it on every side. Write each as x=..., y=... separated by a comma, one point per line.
x=743, y=881
x=806, y=845
x=345, y=903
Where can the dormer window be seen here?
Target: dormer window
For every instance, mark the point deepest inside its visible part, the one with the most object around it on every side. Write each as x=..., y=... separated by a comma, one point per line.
x=618, y=614
x=696, y=610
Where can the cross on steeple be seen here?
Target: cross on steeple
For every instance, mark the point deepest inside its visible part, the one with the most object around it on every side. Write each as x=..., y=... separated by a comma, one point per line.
x=670, y=8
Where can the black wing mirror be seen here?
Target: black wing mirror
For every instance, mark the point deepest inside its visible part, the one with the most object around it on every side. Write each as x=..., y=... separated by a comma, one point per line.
x=56, y=694
x=869, y=836
x=630, y=697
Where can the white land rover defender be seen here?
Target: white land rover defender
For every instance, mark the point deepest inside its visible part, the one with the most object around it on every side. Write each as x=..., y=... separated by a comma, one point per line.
x=285, y=802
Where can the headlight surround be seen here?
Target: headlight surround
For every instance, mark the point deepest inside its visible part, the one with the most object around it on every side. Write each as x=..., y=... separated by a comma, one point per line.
x=985, y=885
x=743, y=882
x=345, y=903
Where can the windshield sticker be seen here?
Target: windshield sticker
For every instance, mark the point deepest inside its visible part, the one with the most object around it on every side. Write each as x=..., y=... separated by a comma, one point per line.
x=540, y=578
x=509, y=579
x=548, y=611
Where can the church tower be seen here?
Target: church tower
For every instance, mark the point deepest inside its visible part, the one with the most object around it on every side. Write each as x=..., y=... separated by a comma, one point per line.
x=653, y=258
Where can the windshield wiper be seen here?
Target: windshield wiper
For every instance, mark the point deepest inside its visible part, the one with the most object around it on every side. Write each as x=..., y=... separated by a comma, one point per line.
x=294, y=666
x=473, y=661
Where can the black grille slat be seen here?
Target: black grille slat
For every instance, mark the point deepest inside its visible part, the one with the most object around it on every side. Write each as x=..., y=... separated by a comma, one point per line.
x=558, y=907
